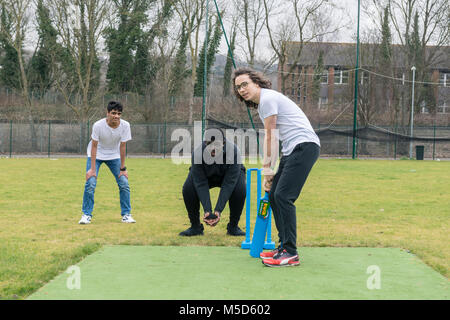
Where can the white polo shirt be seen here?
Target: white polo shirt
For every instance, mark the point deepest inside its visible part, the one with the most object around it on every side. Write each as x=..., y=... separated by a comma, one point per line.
x=109, y=139
x=292, y=124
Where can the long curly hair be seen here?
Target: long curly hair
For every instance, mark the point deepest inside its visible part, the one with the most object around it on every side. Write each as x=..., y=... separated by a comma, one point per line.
x=256, y=77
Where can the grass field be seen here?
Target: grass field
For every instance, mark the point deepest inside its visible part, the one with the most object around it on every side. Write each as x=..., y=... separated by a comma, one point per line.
x=345, y=203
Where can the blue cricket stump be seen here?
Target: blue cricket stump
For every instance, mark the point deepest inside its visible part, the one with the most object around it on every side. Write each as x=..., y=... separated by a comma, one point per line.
x=246, y=244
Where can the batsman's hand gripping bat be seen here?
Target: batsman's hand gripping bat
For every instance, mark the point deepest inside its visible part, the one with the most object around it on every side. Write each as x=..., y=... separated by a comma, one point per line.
x=259, y=233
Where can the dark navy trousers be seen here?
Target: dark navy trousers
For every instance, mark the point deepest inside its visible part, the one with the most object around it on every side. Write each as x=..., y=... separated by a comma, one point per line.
x=236, y=201
x=286, y=187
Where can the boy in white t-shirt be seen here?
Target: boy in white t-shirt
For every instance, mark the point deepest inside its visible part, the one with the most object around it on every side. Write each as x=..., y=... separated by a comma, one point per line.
x=283, y=121
x=108, y=145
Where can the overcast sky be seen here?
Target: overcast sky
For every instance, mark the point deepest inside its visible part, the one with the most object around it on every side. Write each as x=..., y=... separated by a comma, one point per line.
x=347, y=16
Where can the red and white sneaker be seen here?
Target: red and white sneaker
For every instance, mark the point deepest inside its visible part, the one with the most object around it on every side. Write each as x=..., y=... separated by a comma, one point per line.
x=270, y=254
x=283, y=259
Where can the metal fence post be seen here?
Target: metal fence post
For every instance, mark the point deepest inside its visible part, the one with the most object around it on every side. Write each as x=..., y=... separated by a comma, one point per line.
x=49, y=130
x=81, y=136
x=87, y=136
x=164, y=141
x=434, y=139
x=159, y=138
x=10, y=137
x=395, y=143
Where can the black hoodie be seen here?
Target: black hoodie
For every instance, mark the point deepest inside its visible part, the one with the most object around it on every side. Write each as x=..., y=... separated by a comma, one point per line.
x=225, y=175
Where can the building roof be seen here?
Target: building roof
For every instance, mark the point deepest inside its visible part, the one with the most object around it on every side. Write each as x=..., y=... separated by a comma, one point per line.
x=343, y=54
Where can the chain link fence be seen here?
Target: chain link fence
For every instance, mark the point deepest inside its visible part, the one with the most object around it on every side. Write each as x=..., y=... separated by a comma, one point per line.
x=158, y=139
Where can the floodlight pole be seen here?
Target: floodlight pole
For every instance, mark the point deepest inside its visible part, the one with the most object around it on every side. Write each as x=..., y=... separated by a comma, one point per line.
x=355, y=108
x=234, y=65
x=205, y=70
x=413, y=69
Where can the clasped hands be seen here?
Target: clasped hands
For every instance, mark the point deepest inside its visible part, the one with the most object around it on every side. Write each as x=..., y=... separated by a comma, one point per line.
x=210, y=220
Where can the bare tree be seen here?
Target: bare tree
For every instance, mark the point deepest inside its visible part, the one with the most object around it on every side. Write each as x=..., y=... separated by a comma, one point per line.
x=422, y=29
x=251, y=14
x=192, y=14
x=433, y=15
x=80, y=24
x=310, y=23
x=18, y=12
x=76, y=64
x=161, y=53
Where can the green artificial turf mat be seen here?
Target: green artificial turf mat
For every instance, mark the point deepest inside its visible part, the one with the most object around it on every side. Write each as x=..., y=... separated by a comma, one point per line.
x=180, y=272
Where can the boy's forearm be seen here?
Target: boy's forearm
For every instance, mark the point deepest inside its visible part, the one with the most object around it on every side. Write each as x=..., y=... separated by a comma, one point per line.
x=270, y=152
x=93, y=156
x=270, y=143
x=123, y=154
x=268, y=149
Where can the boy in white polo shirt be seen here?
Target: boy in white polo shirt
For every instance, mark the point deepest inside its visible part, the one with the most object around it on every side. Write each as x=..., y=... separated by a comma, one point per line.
x=108, y=145
x=283, y=121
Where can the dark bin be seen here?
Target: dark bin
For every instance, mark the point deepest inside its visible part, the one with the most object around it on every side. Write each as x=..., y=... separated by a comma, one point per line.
x=419, y=152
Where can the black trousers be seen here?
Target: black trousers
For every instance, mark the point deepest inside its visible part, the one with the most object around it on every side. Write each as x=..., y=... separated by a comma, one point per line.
x=286, y=187
x=236, y=201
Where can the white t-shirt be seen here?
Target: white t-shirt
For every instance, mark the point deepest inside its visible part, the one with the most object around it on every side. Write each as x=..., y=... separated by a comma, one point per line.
x=292, y=123
x=109, y=139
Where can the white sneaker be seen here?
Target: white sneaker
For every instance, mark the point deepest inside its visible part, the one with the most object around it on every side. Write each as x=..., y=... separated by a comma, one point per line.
x=85, y=219
x=128, y=219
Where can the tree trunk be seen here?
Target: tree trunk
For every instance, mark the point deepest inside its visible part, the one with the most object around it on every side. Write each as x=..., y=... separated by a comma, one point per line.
x=26, y=96
x=85, y=128
x=34, y=145
x=191, y=103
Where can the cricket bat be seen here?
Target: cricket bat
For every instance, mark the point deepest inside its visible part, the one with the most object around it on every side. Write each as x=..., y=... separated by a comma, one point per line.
x=259, y=233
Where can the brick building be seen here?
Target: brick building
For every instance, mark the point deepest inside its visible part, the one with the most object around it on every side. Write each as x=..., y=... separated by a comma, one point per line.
x=331, y=83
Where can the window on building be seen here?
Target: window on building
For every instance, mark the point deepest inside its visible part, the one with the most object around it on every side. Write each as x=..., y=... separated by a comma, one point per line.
x=324, y=77
x=293, y=86
x=299, y=90
x=337, y=76
x=424, y=110
x=323, y=102
x=364, y=75
x=400, y=77
x=344, y=76
x=340, y=76
x=423, y=107
x=305, y=94
x=444, y=79
x=444, y=108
